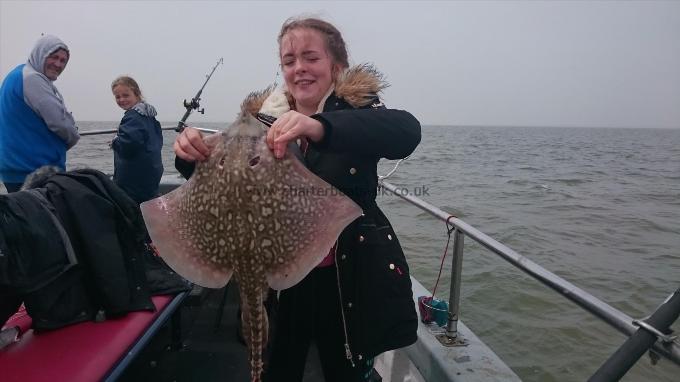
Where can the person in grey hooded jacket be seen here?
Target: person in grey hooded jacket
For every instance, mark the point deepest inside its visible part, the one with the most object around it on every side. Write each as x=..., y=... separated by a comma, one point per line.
x=36, y=129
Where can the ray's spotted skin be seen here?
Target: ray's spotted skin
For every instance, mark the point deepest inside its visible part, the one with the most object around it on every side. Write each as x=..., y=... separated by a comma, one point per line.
x=266, y=221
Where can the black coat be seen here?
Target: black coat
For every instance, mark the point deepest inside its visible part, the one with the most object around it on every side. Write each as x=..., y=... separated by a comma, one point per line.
x=374, y=276
x=113, y=270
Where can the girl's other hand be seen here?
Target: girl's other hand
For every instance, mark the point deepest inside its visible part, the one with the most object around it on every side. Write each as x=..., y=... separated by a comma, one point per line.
x=190, y=146
x=290, y=126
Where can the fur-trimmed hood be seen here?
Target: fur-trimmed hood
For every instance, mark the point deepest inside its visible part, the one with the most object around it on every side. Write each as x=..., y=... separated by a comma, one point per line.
x=358, y=86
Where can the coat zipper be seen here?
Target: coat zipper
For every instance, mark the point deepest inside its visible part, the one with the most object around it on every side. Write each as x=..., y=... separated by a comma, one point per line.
x=348, y=351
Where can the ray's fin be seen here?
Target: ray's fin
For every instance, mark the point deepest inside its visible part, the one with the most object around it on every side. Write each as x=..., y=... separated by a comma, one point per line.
x=181, y=252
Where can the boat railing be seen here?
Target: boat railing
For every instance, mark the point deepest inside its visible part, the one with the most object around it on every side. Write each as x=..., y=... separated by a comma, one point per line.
x=615, y=318
x=113, y=131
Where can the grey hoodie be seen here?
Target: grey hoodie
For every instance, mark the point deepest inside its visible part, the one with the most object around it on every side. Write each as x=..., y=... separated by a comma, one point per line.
x=42, y=96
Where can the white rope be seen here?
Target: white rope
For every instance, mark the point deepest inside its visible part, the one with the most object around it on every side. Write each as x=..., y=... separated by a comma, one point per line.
x=383, y=177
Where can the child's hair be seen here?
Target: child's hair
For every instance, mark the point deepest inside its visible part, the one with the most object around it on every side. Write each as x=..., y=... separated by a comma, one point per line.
x=129, y=82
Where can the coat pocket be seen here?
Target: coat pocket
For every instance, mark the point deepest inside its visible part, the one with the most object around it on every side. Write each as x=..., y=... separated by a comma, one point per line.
x=384, y=289
x=383, y=264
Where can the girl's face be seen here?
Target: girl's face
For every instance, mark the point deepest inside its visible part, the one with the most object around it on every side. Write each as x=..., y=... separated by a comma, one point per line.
x=125, y=97
x=307, y=68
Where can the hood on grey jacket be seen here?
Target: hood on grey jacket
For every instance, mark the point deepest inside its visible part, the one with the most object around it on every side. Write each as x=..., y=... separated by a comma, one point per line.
x=45, y=46
x=145, y=109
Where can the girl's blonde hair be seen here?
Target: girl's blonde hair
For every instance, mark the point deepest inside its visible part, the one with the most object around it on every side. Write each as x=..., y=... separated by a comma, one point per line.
x=130, y=83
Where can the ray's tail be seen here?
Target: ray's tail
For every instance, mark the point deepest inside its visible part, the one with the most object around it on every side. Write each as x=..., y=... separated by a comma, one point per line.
x=255, y=329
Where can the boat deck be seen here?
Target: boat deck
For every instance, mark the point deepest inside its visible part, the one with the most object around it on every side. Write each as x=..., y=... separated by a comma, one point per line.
x=210, y=349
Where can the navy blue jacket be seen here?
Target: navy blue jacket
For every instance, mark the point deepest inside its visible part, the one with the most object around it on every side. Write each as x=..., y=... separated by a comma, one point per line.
x=137, y=153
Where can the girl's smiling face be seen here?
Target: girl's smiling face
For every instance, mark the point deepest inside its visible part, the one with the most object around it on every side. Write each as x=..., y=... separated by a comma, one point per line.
x=307, y=68
x=125, y=97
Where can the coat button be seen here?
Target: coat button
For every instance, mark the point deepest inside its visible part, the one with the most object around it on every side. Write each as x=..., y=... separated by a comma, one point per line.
x=392, y=266
x=389, y=236
x=352, y=170
x=361, y=238
x=349, y=304
x=343, y=257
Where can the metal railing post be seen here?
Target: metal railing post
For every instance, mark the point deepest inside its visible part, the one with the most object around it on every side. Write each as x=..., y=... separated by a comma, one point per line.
x=454, y=294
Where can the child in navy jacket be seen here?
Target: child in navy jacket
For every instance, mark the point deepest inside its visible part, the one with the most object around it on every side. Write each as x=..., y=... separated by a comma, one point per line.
x=137, y=146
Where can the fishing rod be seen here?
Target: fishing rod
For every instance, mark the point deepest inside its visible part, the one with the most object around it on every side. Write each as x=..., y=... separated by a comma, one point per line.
x=190, y=106
x=194, y=103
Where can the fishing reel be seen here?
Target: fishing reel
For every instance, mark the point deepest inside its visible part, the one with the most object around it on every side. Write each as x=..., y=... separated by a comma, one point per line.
x=193, y=104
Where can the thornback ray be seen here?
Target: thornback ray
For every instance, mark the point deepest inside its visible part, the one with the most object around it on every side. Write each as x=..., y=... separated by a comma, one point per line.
x=245, y=213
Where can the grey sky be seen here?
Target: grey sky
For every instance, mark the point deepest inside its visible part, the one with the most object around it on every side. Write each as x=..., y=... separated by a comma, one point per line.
x=511, y=63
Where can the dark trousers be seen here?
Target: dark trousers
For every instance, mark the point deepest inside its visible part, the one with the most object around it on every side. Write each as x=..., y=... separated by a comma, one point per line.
x=310, y=311
x=13, y=187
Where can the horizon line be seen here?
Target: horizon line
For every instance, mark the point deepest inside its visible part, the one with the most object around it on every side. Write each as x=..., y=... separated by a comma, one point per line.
x=164, y=123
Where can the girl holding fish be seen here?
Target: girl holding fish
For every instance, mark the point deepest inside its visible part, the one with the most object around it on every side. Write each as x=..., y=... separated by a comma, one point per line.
x=357, y=303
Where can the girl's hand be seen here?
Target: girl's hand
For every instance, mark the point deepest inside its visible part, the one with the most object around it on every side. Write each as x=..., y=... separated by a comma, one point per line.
x=190, y=146
x=290, y=126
